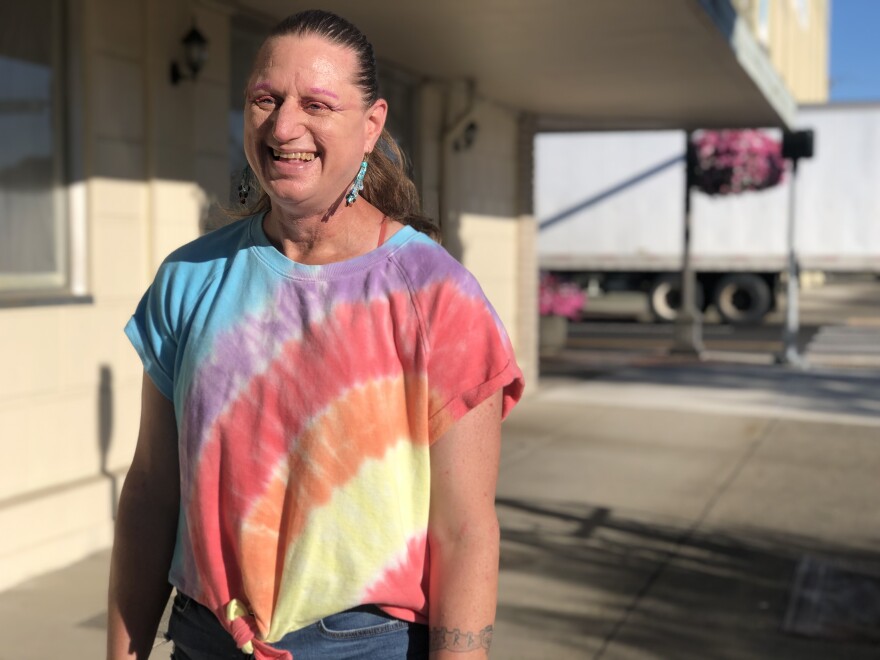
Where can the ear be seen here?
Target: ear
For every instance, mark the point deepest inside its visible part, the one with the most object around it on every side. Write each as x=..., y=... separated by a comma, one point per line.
x=374, y=122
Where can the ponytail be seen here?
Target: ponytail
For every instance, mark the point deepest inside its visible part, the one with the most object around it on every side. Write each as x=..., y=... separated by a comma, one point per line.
x=388, y=187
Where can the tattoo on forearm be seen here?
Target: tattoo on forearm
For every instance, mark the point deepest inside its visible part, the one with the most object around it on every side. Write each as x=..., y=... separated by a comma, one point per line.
x=460, y=641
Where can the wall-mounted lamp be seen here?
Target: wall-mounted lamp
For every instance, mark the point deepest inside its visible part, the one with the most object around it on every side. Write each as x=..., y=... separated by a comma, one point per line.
x=464, y=141
x=195, y=48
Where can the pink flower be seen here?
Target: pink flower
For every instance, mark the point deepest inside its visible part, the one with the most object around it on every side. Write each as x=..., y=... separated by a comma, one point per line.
x=730, y=162
x=556, y=298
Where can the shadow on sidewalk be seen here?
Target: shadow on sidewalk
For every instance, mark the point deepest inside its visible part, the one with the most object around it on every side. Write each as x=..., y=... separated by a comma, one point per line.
x=652, y=590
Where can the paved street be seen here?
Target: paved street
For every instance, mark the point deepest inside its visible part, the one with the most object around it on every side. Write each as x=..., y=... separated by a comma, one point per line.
x=839, y=326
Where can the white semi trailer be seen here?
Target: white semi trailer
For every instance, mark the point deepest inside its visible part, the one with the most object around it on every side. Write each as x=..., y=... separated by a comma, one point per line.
x=610, y=208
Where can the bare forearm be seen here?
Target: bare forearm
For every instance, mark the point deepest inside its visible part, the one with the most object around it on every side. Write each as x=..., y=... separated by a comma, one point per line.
x=463, y=593
x=142, y=551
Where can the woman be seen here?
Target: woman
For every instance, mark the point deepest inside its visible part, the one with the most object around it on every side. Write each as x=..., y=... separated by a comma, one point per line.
x=322, y=399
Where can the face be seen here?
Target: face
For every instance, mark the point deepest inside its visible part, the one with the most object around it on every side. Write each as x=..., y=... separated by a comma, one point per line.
x=306, y=128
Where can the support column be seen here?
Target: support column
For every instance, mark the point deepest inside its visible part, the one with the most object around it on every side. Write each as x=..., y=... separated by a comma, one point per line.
x=790, y=354
x=688, y=332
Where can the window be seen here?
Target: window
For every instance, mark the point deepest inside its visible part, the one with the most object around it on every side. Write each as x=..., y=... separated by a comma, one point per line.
x=764, y=21
x=803, y=12
x=33, y=215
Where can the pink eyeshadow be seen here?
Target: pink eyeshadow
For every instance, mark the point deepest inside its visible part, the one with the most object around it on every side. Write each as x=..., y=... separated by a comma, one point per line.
x=321, y=90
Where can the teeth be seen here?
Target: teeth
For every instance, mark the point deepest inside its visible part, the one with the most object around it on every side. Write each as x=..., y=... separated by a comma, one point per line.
x=294, y=156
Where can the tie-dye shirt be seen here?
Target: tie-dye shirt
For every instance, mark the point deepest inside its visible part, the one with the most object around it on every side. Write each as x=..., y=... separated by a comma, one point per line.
x=307, y=398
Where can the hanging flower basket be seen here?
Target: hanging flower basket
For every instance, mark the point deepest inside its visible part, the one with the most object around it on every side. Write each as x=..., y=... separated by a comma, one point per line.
x=734, y=161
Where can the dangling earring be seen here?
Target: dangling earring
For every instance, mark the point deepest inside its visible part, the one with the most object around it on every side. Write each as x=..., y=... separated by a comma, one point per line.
x=352, y=196
x=244, y=186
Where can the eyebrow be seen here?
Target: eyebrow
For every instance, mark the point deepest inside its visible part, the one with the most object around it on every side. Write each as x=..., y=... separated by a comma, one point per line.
x=262, y=86
x=321, y=90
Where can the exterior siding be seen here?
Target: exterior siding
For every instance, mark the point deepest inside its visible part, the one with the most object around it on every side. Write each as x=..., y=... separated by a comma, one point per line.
x=70, y=396
x=795, y=34
x=155, y=158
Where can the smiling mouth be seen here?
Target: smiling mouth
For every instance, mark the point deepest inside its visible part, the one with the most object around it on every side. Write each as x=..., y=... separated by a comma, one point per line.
x=303, y=156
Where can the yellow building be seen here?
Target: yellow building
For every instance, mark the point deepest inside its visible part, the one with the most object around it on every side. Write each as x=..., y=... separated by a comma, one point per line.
x=108, y=165
x=795, y=35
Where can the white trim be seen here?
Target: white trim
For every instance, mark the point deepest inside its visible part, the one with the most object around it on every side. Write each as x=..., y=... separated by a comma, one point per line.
x=752, y=57
x=754, y=61
x=77, y=197
x=69, y=191
x=763, y=21
x=78, y=237
x=802, y=10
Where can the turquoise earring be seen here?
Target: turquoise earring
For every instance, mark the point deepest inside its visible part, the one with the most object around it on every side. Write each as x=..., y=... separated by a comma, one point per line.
x=358, y=185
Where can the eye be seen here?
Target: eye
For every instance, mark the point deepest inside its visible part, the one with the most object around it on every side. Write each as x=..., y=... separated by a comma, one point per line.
x=315, y=106
x=265, y=101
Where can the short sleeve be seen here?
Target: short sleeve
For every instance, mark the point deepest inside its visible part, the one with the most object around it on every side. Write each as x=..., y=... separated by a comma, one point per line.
x=152, y=330
x=469, y=354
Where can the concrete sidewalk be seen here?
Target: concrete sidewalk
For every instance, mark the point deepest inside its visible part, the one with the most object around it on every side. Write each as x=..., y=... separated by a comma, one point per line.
x=663, y=512
x=647, y=512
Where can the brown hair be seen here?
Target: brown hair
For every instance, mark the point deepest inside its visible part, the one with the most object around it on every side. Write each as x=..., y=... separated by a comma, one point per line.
x=386, y=183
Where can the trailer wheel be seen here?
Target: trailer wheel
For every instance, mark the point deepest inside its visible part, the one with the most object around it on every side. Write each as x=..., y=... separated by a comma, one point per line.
x=742, y=298
x=664, y=298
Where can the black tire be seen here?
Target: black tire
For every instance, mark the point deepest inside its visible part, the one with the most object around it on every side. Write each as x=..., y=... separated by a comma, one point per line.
x=742, y=298
x=664, y=298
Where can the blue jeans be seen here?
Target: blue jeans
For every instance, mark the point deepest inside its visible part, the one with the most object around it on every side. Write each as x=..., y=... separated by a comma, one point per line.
x=363, y=632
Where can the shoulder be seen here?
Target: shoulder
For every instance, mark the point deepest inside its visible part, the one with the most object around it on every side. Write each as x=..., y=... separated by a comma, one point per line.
x=468, y=353
x=207, y=256
x=446, y=295
x=215, y=246
x=427, y=267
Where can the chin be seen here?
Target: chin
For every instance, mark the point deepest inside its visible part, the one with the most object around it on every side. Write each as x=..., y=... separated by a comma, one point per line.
x=289, y=194
x=298, y=203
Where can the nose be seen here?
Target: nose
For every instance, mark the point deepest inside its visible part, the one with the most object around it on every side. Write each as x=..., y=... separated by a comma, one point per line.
x=288, y=122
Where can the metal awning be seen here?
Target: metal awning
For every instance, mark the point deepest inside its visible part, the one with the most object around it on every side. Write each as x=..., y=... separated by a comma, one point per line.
x=580, y=64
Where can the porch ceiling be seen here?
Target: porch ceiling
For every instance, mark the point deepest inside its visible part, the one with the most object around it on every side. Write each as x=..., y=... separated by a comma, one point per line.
x=580, y=64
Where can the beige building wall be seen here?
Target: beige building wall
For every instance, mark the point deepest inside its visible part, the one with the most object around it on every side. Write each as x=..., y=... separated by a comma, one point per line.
x=69, y=400
x=477, y=179
x=796, y=36
x=153, y=158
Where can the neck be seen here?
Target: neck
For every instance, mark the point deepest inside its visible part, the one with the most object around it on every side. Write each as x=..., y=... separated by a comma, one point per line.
x=341, y=233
